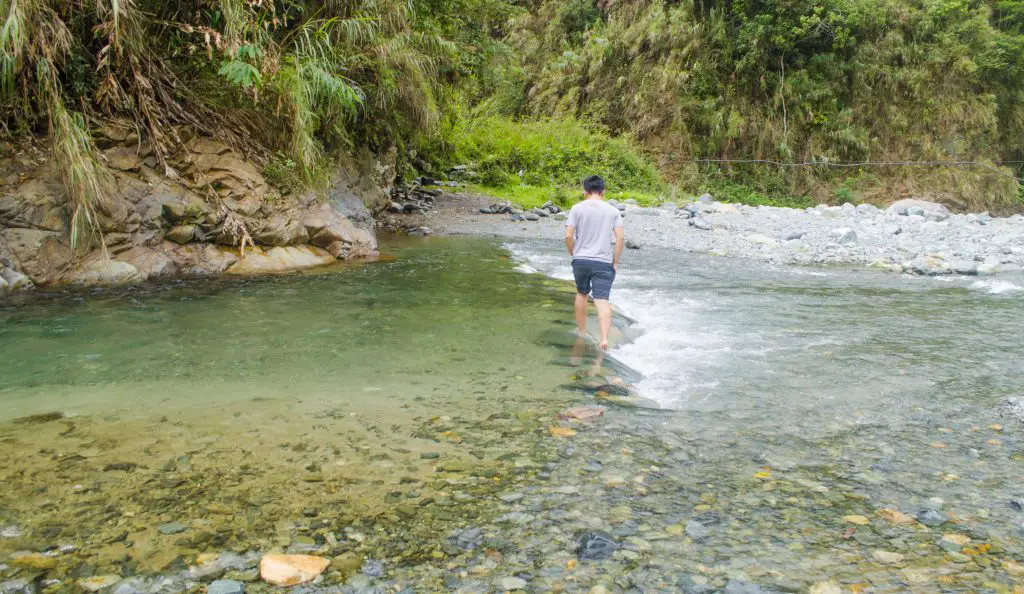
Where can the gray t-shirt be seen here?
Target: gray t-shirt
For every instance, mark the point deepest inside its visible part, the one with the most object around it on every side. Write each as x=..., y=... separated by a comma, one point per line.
x=594, y=221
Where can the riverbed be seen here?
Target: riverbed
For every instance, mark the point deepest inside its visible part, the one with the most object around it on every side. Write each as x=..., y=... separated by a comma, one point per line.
x=800, y=429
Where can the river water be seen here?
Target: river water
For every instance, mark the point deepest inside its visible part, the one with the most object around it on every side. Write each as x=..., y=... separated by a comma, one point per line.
x=818, y=429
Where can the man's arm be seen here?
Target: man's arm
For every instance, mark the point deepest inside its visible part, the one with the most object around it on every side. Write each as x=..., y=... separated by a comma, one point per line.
x=620, y=242
x=570, y=238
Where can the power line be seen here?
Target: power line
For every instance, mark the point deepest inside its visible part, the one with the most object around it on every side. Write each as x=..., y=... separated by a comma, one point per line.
x=851, y=165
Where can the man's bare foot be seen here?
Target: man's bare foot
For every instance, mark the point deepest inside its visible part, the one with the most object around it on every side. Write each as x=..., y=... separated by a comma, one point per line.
x=604, y=345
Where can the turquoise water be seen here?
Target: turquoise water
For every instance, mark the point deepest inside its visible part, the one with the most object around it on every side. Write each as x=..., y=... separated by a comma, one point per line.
x=818, y=428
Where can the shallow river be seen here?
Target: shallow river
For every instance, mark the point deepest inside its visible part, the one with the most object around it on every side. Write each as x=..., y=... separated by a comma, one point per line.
x=820, y=430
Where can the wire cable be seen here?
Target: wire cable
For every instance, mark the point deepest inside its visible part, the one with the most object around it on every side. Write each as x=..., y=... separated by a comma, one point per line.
x=851, y=165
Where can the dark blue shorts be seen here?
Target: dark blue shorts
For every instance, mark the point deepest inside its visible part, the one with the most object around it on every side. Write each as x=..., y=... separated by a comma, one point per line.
x=593, y=278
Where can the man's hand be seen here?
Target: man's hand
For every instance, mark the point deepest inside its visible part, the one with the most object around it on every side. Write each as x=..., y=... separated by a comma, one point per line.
x=570, y=239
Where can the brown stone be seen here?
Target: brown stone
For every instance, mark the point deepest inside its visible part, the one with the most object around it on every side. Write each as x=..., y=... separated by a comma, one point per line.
x=181, y=234
x=280, y=259
x=562, y=432
x=583, y=413
x=289, y=570
x=895, y=517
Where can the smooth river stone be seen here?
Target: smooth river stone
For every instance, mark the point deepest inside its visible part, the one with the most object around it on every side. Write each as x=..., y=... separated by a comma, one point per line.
x=289, y=570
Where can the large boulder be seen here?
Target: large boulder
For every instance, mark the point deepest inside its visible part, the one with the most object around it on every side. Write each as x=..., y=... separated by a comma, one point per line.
x=150, y=262
x=279, y=230
x=35, y=204
x=334, y=232
x=98, y=269
x=197, y=259
x=43, y=255
x=15, y=280
x=912, y=206
x=280, y=259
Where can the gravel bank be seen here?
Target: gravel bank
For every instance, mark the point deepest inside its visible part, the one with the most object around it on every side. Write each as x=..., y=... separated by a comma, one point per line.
x=911, y=236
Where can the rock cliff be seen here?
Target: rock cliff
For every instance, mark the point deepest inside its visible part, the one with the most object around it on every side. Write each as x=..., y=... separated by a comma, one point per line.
x=193, y=223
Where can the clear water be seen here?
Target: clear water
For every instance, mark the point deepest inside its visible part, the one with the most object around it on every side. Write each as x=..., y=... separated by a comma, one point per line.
x=302, y=413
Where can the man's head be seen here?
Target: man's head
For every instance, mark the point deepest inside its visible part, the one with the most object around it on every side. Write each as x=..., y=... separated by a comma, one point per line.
x=593, y=186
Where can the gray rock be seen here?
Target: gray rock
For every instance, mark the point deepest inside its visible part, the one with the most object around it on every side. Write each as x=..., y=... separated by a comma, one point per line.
x=373, y=568
x=540, y=212
x=396, y=208
x=682, y=213
x=686, y=585
x=16, y=281
x=512, y=583
x=531, y=217
x=791, y=235
x=632, y=245
x=931, y=517
x=517, y=217
x=844, y=235
x=510, y=497
x=225, y=587
x=693, y=208
x=17, y=586
x=965, y=267
x=928, y=266
x=101, y=271
x=867, y=209
x=700, y=223
x=172, y=528
x=738, y=587
x=631, y=202
x=912, y=207
x=706, y=198
x=560, y=216
x=696, y=530
x=892, y=230
x=468, y=539
x=596, y=546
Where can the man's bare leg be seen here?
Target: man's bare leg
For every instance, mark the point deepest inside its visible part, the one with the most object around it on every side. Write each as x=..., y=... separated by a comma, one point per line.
x=604, y=318
x=581, y=314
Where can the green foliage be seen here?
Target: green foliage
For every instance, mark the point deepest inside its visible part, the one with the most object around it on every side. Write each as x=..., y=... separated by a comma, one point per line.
x=556, y=89
x=727, y=191
x=535, y=157
x=800, y=80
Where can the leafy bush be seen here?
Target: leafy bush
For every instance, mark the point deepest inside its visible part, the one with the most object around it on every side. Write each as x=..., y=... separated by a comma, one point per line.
x=549, y=158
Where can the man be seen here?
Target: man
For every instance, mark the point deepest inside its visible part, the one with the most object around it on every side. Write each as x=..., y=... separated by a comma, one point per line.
x=588, y=232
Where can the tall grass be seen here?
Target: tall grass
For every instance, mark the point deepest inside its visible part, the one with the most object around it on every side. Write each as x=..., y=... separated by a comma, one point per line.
x=82, y=175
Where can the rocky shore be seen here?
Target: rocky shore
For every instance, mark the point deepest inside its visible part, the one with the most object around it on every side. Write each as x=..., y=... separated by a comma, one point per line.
x=192, y=223
x=911, y=236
